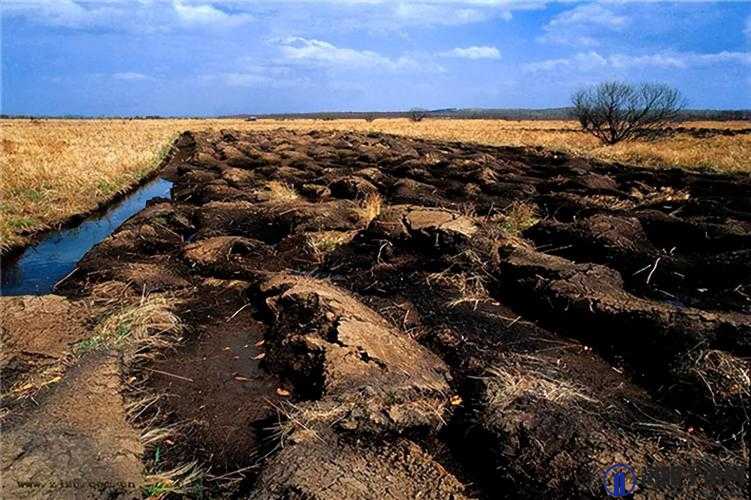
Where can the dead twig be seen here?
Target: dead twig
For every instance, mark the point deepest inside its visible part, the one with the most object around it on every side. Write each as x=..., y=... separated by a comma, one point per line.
x=237, y=312
x=654, y=268
x=169, y=374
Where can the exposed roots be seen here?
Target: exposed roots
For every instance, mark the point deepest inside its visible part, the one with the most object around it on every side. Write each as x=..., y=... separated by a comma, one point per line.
x=725, y=376
x=525, y=377
x=470, y=288
x=136, y=408
x=466, y=274
x=183, y=479
x=104, y=295
x=299, y=423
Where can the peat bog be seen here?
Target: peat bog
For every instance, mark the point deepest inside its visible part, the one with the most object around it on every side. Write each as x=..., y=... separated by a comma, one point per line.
x=363, y=315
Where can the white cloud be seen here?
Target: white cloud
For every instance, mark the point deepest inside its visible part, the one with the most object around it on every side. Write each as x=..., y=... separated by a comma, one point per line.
x=588, y=61
x=721, y=57
x=254, y=80
x=128, y=15
x=131, y=76
x=579, y=25
x=166, y=15
x=452, y=12
x=63, y=13
x=297, y=48
x=208, y=15
x=324, y=53
x=430, y=14
x=588, y=14
x=252, y=74
x=474, y=52
x=581, y=61
x=245, y=79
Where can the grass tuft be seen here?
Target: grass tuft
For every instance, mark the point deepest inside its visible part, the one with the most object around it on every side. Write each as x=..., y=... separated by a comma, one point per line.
x=325, y=242
x=371, y=207
x=519, y=217
x=145, y=323
x=185, y=480
x=281, y=191
x=526, y=377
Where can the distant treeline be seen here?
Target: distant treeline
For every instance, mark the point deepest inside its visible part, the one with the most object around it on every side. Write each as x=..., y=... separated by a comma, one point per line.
x=493, y=114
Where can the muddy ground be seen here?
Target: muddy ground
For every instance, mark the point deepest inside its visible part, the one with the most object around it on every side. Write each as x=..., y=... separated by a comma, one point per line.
x=365, y=316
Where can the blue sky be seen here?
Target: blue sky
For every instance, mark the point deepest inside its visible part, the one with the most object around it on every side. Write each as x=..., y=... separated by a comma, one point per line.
x=204, y=57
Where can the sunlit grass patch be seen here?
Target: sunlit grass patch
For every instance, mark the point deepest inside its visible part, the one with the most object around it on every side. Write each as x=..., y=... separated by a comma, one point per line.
x=148, y=321
x=522, y=377
x=281, y=191
x=519, y=217
x=22, y=223
x=184, y=480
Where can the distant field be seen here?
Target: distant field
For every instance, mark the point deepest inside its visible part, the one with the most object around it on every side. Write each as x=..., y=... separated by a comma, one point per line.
x=52, y=169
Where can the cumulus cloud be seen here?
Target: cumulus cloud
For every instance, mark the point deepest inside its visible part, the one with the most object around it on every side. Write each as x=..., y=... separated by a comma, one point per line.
x=591, y=14
x=581, y=61
x=588, y=61
x=298, y=49
x=474, y=52
x=208, y=15
x=579, y=26
x=127, y=15
x=451, y=13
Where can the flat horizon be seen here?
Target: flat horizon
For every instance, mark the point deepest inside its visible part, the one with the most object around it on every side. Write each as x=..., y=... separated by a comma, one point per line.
x=393, y=113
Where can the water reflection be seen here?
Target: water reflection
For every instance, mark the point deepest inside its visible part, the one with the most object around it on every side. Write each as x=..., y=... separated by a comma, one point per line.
x=38, y=268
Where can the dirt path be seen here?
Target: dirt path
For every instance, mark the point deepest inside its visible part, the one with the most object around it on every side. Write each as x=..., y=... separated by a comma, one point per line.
x=371, y=316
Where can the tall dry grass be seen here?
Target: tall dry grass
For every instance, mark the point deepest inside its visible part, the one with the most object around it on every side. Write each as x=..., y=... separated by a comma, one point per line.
x=52, y=169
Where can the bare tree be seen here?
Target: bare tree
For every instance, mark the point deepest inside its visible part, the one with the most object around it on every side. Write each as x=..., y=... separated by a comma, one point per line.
x=615, y=111
x=417, y=114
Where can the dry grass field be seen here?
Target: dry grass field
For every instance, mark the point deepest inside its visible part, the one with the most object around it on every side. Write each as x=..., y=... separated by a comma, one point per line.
x=52, y=169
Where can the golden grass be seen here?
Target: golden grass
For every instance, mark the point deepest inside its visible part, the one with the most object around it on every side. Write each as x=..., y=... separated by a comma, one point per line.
x=148, y=324
x=524, y=377
x=52, y=169
x=281, y=191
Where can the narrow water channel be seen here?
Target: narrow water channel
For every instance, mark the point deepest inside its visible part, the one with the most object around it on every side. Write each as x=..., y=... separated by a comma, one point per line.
x=39, y=267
